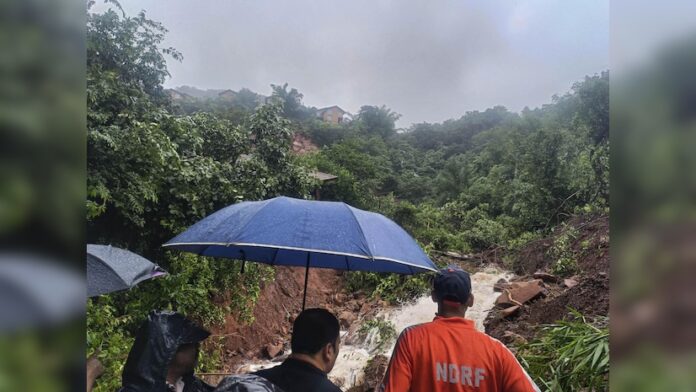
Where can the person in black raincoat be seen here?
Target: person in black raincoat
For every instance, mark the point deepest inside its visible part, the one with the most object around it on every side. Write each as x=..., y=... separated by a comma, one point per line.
x=246, y=383
x=164, y=356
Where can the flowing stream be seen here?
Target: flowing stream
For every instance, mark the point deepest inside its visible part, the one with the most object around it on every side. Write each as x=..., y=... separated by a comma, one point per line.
x=352, y=358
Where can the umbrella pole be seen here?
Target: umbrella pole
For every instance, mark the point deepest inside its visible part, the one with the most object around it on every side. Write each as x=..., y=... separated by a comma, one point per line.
x=306, y=278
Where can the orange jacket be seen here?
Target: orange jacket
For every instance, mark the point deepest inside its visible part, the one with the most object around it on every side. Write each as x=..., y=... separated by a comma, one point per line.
x=449, y=354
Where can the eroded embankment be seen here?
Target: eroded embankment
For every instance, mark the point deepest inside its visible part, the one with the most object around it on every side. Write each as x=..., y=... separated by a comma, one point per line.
x=360, y=345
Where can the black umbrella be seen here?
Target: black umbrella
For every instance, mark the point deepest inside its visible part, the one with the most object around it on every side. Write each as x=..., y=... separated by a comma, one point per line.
x=112, y=269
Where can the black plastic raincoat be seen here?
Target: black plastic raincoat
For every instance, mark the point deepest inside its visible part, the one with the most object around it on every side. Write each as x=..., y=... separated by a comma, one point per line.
x=155, y=346
x=246, y=383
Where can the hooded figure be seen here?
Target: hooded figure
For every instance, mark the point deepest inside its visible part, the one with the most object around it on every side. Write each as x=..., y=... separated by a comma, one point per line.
x=167, y=343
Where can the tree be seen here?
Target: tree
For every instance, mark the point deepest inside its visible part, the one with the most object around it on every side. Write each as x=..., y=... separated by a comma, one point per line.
x=593, y=106
x=152, y=173
x=453, y=179
x=248, y=99
x=379, y=121
x=291, y=101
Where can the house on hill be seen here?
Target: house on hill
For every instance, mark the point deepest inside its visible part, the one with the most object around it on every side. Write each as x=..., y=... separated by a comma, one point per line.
x=333, y=114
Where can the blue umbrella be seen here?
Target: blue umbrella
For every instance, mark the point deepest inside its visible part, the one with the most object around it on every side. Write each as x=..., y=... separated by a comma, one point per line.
x=112, y=269
x=295, y=232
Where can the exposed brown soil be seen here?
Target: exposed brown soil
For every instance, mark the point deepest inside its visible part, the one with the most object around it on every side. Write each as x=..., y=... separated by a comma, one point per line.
x=302, y=144
x=590, y=296
x=279, y=302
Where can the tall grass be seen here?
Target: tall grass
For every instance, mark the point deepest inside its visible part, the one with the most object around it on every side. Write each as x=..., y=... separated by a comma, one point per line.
x=570, y=355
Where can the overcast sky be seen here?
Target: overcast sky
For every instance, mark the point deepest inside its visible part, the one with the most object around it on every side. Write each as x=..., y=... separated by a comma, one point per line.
x=429, y=61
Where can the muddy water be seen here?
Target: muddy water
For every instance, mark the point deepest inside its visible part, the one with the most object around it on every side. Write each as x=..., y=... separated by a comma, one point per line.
x=352, y=359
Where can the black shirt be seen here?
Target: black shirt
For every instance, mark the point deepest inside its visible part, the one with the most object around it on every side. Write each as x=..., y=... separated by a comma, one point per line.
x=294, y=375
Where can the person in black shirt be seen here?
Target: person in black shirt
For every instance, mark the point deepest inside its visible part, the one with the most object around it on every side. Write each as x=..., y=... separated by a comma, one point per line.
x=314, y=343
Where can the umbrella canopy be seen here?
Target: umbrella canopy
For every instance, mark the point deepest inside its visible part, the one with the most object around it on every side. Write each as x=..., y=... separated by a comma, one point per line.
x=112, y=269
x=37, y=292
x=308, y=233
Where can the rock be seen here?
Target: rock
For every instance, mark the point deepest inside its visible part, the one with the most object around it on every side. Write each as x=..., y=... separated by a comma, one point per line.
x=519, y=293
x=352, y=337
x=501, y=285
x=511, y=337
x=507, y=312
x=273, y=350
x=374, y=371
x=546, y=277
x=570, y=283
x=347, y=318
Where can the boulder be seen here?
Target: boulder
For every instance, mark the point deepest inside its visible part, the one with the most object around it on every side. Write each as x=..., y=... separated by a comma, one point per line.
x=347, y=318
x=273, y=350
x=519, y=293
x=511, y=337
x=501, y=285
x=507, y=312
x=546, y=277
x=570, y=283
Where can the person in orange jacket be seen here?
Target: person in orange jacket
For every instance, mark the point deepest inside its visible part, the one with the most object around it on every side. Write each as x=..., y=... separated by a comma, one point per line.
x=448, y=353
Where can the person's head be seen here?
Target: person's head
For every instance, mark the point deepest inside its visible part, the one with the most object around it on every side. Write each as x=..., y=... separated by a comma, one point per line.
x=185, y=359
x=315, y=334
x=452, y=291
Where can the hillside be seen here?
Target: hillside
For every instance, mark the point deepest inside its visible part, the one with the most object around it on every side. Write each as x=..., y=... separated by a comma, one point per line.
x=517, y=192
x=585, y=289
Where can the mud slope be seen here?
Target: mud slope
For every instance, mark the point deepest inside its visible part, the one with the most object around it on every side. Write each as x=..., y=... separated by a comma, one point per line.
x=279, y=302
x=591, y=294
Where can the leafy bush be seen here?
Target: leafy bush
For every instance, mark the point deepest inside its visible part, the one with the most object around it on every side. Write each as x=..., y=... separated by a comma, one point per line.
x=385, y=332
x=151, y=173
x=561, y=251
x=570, y=355
x=393, y=288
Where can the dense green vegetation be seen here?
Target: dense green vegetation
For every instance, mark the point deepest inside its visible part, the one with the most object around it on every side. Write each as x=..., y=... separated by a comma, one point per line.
x=152, y=173
x=570, y=356
x=491, y=179
x=488, y=179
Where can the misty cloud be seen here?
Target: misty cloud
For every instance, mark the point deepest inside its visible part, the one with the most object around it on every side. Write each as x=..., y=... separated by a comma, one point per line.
x=428, y=61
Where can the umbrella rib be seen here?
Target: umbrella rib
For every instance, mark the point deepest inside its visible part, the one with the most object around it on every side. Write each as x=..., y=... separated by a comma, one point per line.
x=252, y=217
x=362, y=234
x=103, y=262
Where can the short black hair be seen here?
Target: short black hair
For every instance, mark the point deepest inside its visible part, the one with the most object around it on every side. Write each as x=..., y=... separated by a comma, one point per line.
x=312, y=330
